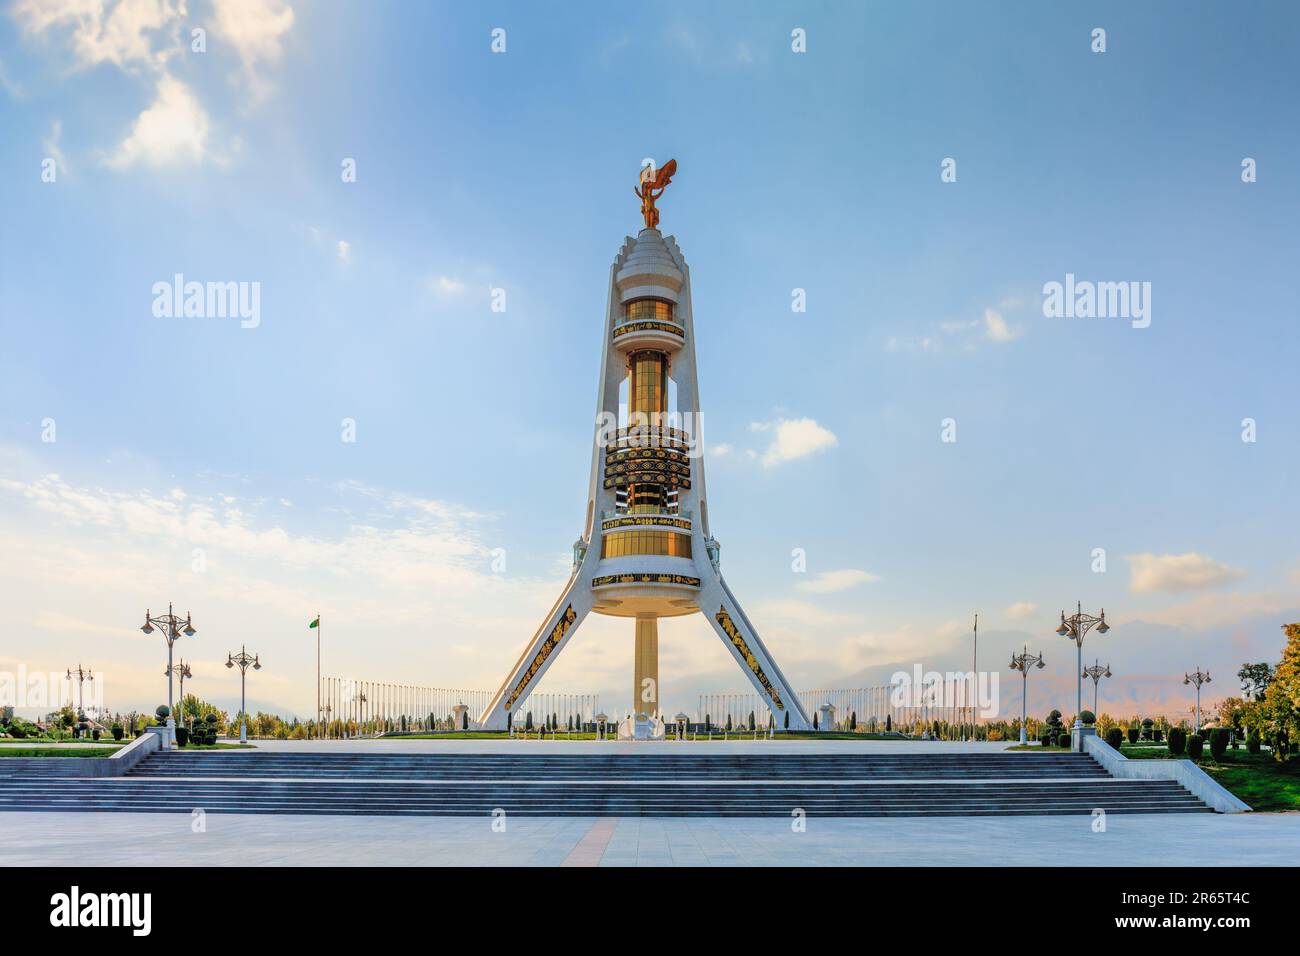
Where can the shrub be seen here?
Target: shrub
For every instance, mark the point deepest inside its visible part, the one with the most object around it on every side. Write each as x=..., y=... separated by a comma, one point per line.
x=118, y=731
x=1219, y=742
x=1133, y=734
x=1147, y=724
x=1157, y=735
x=1045, y=740
x=1177, y=741
x=1087, y=717
x=94, y=734
x=182, y=736
x=1115, y=737
x=1195, y=746
x=1063, y=740
x=163, y=712
x=1252, y=742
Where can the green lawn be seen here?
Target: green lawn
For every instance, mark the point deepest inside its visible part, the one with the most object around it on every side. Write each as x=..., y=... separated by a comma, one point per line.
x=57, y=751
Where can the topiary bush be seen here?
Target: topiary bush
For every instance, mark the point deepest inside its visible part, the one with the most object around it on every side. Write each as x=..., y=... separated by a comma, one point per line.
x=1115, y=737
x=1063, y=740
x=118, y=731
x=1219, y=742
x=182, y=736
x=1147, y=724
x=1046, y=740
x=1252, y=743
x=163, y=712
x=1195, y=746
x=1087, y=717
x=1177, y=741
x=1133, y=734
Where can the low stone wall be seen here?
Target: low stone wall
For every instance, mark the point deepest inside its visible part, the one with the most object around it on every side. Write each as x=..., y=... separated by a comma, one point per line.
x=1196, y=780
x=121, y=761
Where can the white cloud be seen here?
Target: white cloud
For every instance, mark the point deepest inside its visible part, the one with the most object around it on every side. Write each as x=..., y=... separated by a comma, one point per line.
x=720, y=451
x=793, y=439
x=9, y=86
x=996, y=328
x=1210, y=611
x=829, y=582
x=256, y=30
x=50, y=146
x=1021, y=611
x=129, y=34
x=344, y=251
x=1178, y=572
x=965, y=334
x=172, y=131
x=446, y=285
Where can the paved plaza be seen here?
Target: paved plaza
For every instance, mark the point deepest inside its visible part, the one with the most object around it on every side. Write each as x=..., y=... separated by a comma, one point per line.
x=154, y=839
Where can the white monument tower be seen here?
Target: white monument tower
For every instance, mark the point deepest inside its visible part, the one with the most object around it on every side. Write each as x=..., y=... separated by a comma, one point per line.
x=646, y=551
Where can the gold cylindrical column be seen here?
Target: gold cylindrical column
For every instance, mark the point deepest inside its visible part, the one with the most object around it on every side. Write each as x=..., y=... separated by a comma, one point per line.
x=645, y=690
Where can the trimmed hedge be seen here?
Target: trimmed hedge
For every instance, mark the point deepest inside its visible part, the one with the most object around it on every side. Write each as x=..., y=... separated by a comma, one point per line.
x=1087, y=717
x=1115, y=737
x=1195, y=746
x=1133, y=733
x=1219, y=742
x=1063, y=740
x=1252, y=742
x=1177, y=741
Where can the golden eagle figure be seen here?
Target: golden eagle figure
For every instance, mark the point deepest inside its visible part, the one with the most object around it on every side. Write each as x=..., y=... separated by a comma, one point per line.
x=649, y=184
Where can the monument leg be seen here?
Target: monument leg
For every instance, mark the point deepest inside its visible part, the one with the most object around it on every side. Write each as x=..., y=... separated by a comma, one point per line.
x=724, y=614
x=567, y=613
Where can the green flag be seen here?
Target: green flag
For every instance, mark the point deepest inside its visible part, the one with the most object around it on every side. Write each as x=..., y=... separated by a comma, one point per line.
x=315, y=623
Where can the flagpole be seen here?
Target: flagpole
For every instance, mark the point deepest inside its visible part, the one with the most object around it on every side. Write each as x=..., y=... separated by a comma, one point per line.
x=974, y=675
x=318, y=715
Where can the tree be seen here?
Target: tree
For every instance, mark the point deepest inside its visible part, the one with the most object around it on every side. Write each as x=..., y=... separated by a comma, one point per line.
x=1277, y=716
x=853, y=720
x=1255, y=679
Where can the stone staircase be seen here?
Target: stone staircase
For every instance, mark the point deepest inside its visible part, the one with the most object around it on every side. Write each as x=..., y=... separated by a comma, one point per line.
x=605, y=784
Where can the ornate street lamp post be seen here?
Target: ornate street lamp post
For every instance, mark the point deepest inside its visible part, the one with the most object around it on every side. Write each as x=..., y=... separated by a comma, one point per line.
x=182, y=672
x=1096, y=672
x=81, y=675
x=1076, y=628
x=1198, y=678
x=171, y=626
x=242, y=660
x=1023, y=662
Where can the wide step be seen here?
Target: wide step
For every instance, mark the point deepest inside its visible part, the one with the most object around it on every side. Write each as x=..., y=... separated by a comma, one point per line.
x=563, y=785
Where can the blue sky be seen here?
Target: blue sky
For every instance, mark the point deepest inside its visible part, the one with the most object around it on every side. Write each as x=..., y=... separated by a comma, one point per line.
x=476, y=170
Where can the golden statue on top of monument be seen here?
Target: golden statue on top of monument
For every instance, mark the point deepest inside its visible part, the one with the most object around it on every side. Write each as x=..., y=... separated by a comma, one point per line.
x=652, y=179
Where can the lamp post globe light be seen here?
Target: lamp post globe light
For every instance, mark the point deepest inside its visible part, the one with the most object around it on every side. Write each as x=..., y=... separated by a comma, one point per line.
x=172, y=628
x=1076, y=628
x=1023, y=662
x=242, y=661
x=1197, y=677
x=1096, y=672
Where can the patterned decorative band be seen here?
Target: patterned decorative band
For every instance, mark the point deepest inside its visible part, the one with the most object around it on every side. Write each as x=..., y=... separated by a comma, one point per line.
x=645, y=577
x=550, y=644
x=649, y=477
x=647, y=454
x=732, y=632
x=627, y=328
x=642, y=520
